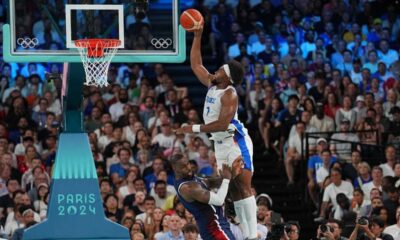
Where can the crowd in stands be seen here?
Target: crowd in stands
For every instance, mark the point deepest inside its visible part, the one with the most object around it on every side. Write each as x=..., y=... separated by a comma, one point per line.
x=327, y=68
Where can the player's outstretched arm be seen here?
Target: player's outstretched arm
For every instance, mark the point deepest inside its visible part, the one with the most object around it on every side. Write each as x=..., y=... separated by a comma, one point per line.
x=193, y=191
x=196, y=61
x=229, y=102
x=215, y=182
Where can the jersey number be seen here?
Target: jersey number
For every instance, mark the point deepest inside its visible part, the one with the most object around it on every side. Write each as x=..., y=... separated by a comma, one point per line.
x=208, y=111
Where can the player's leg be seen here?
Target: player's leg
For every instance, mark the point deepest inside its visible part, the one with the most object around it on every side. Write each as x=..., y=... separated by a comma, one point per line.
x=248, y=201
x=234, y=190
x=227, y=152
x=247, y=205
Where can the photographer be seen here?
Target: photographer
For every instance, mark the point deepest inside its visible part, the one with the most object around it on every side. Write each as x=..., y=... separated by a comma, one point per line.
x=367, y=231
x=279, y=231
x=332, y=230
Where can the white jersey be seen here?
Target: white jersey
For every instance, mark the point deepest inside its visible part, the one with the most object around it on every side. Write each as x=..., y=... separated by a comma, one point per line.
x=212, y=109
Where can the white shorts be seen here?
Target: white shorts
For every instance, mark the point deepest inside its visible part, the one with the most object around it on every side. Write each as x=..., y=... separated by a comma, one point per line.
x=229, y=149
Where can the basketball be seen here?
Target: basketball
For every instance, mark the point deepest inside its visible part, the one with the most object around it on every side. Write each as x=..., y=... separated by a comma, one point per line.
x=191, y=20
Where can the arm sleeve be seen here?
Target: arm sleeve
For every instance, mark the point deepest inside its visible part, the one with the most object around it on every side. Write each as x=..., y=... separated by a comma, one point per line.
x=218, y=198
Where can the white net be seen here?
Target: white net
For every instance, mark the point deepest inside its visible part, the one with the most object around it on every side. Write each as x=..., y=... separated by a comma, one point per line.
x=96, y=55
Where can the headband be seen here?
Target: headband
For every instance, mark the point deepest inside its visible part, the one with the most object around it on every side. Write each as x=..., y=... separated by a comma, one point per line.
x=228, y=72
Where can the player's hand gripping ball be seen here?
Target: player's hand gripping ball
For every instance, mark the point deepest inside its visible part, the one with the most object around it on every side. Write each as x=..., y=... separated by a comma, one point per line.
x=191, y=20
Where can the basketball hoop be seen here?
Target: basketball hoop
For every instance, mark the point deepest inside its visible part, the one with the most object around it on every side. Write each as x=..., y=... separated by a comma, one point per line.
x=96, y=55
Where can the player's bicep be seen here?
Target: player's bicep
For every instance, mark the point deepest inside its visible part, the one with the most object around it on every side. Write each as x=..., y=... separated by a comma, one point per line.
x=229, y=103
x=202, y=74
x=195, y=192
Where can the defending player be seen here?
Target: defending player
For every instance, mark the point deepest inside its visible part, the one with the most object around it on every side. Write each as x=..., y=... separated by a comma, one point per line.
x=196, y=197
x=231, y=140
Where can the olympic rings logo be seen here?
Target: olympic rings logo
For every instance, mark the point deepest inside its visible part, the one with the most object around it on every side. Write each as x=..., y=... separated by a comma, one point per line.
x=28, y=42
x=161, y=42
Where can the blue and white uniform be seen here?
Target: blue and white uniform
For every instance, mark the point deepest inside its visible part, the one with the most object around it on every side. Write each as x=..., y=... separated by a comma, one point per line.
x=234, y=142
x=209, y=218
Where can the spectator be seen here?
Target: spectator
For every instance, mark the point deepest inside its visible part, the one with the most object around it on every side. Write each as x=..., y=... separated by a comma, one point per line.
x=350, y=169
x=336, y=186
x=160, y=193
x=323, y=172
x=151, y=178
x=331, y=106
x=373, y=229
x=387, y=55
x=375, y=183
x=335, y=229
x=234, y=50
x=346, y=113
x=149, y=206
x=394, y=133
x=260, y=45
x=320, y=121
x=376, y=201
x=394, y=230
x=342, y=143
x=314, y=163
x=116, y=109
x=163, y=227
x=128, y=186
x=175, y=231
x=40, y=205
x=388, y=167
x=346, y=66
x=190, y=232
x=390, y=204
x=289, y=91
x=165, y=139
x=358, y=201
x=372, y=64
x=27, y=215
x=295, y=151
x=287, y=118
x=392, y=100
x=39, y=116
x=121, y=168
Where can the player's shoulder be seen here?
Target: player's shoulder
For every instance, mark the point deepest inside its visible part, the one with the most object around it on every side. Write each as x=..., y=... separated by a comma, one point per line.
x=187, y=188
x=230, y=92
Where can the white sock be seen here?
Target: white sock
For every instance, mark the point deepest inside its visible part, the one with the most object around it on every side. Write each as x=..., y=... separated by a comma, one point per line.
x=239, y=210
x=250, y=209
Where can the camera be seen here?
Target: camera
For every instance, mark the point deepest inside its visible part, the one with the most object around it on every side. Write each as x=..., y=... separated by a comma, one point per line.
x=325, y=228
x=140, y=8
x=362, y=221
x=278, y=231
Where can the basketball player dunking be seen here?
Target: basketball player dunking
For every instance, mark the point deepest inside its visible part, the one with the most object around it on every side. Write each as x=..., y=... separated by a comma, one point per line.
x=231, y=140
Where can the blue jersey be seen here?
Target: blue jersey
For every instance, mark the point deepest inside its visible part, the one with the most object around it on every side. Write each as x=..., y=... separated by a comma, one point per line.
x=210, y=219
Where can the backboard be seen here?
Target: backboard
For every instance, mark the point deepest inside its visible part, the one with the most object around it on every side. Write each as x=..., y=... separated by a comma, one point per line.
x=44, y=31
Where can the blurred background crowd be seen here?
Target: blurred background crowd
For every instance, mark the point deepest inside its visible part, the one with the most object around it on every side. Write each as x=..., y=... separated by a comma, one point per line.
x=320, y=96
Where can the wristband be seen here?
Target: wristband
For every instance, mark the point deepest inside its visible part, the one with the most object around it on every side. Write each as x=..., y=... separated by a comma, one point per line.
x=196, y=128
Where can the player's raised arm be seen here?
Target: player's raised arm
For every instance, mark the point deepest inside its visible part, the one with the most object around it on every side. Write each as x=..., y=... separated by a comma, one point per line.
x=193, y=191
x=196, y=61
